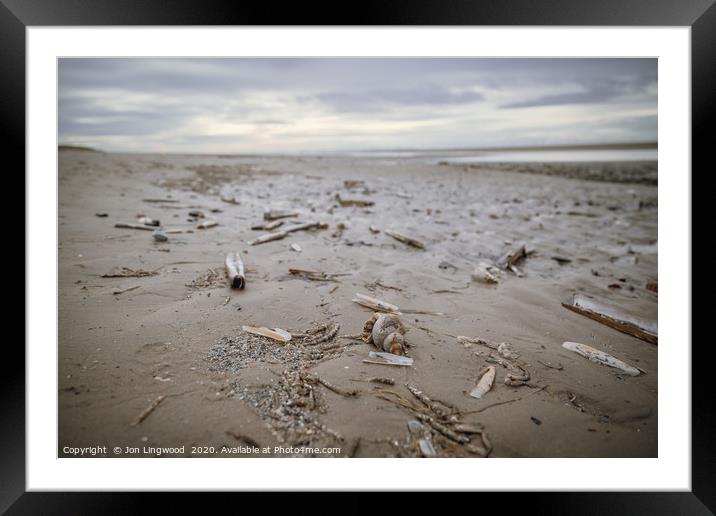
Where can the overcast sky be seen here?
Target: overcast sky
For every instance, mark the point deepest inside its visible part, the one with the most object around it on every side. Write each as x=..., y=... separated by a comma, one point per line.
x=297, y=105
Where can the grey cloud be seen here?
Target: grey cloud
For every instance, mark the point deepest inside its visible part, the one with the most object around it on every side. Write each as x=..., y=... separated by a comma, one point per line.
x=371, y=100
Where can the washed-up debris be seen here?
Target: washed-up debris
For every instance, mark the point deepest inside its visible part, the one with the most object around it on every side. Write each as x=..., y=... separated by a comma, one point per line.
x=652, y=286
x=275, y=334
x=504, y=349
x=414, y=242
x=279, y=214
x=562, y=261
x=292, y=408
x=643, y=249
x=583, y=214
x=143, y=415
x=549, y=365
x=386, y=332
x=374, y=304
x=535, y=420
x=483, y=274
x=312, y=379
x=126, y=272
x=160, y=235
x=207, y=224
x=118, y=292
x=167, y=201
x=360, y=203
x=438, y=407
x=484, y=384
x=129, y=225
x=314, y=275
x=147, y=221
x=230, y=199
x=296, y=247
x=625, y=323
x=384, y=381
x=102, y=214
x=340, y=227
x=378, y=357
x=374, y=229
x=614, y=286
x=267, y=226
x=426, y=448
x=208, y=279
x=235, y=270
x=510, y=259
x=440, y=423
x=352, y=183
x=196, y=214
x=278, y=235
x=600, y=357
x=319, y=334
x=517, y=374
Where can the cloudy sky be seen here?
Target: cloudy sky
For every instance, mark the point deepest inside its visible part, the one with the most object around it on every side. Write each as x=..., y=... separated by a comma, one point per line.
x=305, y=105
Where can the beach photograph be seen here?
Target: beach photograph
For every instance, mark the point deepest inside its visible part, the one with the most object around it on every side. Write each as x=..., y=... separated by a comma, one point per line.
x=357, y=257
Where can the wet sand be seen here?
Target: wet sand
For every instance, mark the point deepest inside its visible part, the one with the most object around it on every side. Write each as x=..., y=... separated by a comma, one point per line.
x=178, y=333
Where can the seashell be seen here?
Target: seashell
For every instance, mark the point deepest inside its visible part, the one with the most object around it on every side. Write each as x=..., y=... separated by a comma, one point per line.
x=482, y=274
x=600, y=357
x=387, y=333
x=484, y=384
x=160, y=235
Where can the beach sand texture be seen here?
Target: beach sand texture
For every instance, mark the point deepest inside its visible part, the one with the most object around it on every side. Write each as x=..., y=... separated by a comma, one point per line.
x=125, y=341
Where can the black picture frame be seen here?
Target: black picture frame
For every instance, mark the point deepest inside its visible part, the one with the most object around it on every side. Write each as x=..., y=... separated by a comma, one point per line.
x=700, y=15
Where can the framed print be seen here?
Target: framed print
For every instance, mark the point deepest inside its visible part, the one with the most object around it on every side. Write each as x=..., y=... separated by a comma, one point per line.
x=424, y=252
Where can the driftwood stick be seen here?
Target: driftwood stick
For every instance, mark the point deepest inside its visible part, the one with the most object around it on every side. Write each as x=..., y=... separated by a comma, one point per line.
x=235, y=270
x=141, y=417
x=405, y=239
x=129, y=225
x=629, y=327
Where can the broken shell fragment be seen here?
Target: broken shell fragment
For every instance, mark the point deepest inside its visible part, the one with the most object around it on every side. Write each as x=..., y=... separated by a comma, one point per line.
x=484, y=384
x=482, y=274
x=275, y=334
x=160, y=235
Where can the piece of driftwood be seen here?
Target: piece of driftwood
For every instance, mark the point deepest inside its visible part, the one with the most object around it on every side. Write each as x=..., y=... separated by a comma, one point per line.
x=384, y=381
x=484, y=384
x=230, y=199
x=609, y=316
x=379, y=357
x=126, y=272
x=653, y=286
x=117, y=292
x=207, y=224
x=279, y=214
x=160, y=200
x=405, y=239
x=275, y=334
x=143, y=415
x=313, y=275
x=360, y=203
x=600, y=357
x=374, y=229
x=235, y=270
x=510, y=259
x=267, y=226
x=129, y=225
x=278, y=235
x=374, y=304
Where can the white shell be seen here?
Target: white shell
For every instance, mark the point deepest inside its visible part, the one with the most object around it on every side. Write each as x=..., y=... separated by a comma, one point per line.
x=600, y=357
x=484, y=384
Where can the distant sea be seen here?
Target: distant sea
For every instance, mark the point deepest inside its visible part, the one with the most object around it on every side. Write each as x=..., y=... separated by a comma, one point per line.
x=513, y=156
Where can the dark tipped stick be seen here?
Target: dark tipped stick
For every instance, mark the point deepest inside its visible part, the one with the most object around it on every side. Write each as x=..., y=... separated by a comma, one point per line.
x=235, y=270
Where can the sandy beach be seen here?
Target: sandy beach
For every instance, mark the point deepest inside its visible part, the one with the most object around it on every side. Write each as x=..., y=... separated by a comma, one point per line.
x=161, y=361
